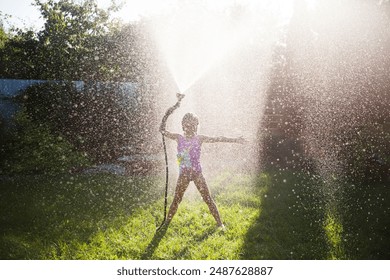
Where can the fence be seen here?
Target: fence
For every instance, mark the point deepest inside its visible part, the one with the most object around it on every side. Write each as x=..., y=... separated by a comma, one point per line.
x=9, y=88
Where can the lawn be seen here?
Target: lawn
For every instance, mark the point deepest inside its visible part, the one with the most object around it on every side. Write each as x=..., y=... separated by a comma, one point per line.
x=267, y=216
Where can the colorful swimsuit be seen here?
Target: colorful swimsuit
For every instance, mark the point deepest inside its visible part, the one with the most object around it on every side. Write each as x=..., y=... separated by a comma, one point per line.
x=188, y=154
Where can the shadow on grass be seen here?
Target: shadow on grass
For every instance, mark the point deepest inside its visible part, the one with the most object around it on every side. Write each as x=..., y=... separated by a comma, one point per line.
x=298, y=220
x=197, y=240
x=147, y=255
x=159, y=235
x=290, y=224
x=365, y=211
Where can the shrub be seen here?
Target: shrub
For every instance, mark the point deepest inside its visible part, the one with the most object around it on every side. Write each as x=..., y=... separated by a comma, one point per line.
x=97, y=120
x=33, y=148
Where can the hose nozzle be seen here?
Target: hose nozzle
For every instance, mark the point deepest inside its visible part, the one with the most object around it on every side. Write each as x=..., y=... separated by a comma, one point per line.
x=179, y=96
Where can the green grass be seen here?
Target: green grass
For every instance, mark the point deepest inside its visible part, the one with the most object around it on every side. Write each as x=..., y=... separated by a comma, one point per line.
x=267, y=216
x=45, y=217
x=334, y=233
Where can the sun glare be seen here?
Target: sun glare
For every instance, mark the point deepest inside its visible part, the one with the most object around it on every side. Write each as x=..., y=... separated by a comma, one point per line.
x=194, y=36
x=194, y=40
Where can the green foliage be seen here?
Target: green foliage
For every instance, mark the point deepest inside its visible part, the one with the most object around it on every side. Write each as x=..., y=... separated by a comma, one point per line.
x=4, y=139
x=79, y=41
x=35, y=149
x=19, y=56
x=49, y=103
x=95, y=120
x=3, y=35
x=69, y=30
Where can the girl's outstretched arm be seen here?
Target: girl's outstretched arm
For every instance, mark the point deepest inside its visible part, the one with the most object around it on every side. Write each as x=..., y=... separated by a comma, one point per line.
x=209, y=139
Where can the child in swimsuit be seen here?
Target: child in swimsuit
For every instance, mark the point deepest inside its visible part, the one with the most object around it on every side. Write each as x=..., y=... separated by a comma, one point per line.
x=188, y=156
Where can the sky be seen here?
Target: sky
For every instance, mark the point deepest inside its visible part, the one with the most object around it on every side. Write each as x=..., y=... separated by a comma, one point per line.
x=24, y=14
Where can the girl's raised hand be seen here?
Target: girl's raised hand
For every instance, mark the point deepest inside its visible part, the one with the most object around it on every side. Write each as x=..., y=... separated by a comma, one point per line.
x=179, y=96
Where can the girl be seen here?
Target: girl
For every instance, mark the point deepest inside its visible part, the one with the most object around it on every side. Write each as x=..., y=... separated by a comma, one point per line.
x=188, y=155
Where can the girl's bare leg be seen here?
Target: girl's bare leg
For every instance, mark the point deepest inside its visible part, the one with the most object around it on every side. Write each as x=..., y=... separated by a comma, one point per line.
x=181, y=186
x=201, y=185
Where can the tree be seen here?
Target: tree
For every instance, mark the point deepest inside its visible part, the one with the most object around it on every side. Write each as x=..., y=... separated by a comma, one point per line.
x=69, y=40
x=3, y=35
x=19, y=56
x=80, y=41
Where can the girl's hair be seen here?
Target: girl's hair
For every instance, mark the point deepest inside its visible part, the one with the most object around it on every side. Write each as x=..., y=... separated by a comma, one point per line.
x=189, y=119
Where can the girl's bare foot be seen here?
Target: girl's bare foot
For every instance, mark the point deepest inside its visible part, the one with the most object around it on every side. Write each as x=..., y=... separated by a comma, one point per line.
x=222, y=227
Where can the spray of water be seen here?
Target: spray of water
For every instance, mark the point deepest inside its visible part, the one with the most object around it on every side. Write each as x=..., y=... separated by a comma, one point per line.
x=222, y=59
x=192, y=40
x=336, y=61
x=219, y=56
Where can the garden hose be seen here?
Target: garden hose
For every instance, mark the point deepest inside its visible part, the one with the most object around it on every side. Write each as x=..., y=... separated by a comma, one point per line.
x=166, y=183
x=162, y=127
